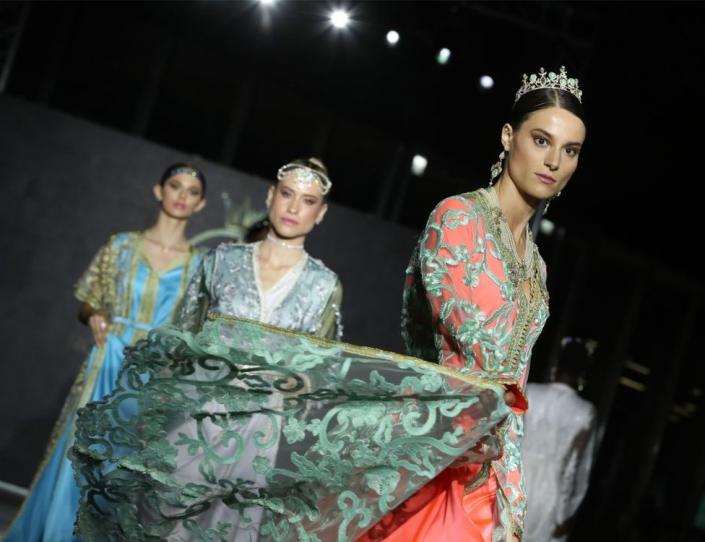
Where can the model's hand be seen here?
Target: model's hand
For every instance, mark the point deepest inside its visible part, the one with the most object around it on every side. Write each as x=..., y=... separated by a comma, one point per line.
x=99, y=327
x=510, y=398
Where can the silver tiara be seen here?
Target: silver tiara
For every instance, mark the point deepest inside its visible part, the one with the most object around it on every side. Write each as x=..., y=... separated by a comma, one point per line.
x=559, y=81
x=186, y=170
x=306, y=176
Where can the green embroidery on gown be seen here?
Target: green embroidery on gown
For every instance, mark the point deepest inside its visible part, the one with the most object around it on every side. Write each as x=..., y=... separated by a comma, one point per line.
x=222, y=428
x=354, y=432
x=463, y=307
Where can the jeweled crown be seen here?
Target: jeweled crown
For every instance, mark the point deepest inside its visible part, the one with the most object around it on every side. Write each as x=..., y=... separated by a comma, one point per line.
x=306, y=176
x=559, y=81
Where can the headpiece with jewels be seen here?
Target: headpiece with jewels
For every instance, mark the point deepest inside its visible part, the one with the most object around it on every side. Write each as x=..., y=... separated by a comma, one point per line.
x=183, y=168
x=559, y=81
x=306, y=176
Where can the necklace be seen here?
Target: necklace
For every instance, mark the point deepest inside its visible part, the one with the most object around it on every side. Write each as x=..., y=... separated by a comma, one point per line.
x=519, y=268
x=283, y=244
x=165, y=248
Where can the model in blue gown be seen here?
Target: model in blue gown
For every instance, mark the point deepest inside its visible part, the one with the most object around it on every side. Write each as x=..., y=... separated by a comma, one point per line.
x=121, y=283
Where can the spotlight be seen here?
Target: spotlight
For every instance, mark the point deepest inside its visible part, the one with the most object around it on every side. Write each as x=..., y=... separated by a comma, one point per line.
x=267, y=3
x=392, y=37
x=443, y=56
x=547, y=226
x=339, y=18
x=486, y=82
x=418, y=165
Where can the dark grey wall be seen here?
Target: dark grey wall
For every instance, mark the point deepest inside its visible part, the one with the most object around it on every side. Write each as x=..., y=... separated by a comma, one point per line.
x=67, y=185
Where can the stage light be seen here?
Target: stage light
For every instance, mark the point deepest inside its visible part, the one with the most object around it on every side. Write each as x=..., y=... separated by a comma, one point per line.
x=339, y=18
x=443, y=56
x=418, y=165
x=486, y=82
x=267, y=3
x=547, y=226
x=392, y=37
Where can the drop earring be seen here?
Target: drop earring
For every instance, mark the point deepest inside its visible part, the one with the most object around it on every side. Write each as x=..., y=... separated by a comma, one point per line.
x=496, y=169
x=548, y=202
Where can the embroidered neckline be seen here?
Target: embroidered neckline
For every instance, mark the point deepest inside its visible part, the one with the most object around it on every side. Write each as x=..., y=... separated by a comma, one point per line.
x=528, y=309
x=520, y=269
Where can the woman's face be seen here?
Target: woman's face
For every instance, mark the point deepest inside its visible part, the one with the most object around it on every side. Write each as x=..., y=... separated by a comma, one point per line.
x=181, y=196
x=544, y=151
x=295, y=208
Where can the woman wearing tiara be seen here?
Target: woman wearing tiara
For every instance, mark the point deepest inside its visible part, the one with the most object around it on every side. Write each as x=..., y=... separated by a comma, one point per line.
x=369, y=444
x=273, y=281
x=476, y=301
x=242, y=422
x=132, y=285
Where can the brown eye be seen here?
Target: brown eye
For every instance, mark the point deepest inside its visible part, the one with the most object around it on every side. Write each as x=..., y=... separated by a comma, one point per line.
x=540, y=141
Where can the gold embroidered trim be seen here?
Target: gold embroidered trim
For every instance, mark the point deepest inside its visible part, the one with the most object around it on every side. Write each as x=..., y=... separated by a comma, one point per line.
x=481, y=477
x=528, y=309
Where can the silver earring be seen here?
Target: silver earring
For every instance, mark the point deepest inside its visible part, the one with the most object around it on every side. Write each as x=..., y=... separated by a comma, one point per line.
x=548, y=202
x=496, y=169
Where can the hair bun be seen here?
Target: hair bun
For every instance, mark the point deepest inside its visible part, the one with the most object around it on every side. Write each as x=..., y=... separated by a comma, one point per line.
x=318, y=163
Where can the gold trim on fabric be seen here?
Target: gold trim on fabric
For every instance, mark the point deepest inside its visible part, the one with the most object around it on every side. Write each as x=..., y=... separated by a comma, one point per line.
x=149, y=298
x=84, y=383
x=369, y=352
x=132, y=271
x=482, y=476
x=96, y=286
x=185, y=274
x=528, y=309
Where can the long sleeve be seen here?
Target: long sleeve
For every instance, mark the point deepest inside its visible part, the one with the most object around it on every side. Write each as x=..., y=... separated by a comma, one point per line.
x=96, y=285
x=331, y=320
x=452, y=257
x=454, y=269
x=193, y=307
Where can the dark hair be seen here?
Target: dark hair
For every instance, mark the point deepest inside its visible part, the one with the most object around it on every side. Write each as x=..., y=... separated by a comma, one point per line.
x=316, y=164
x=574, y=361
x=257, y=231
x=184, y=167
x=542, y=99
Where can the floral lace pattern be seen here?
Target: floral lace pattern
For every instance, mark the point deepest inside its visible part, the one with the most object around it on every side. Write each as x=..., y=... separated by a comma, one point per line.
x=341, y=435
x=463, y=308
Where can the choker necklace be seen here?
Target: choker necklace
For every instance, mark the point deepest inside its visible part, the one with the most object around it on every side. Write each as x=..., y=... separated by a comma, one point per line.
x=283, y=244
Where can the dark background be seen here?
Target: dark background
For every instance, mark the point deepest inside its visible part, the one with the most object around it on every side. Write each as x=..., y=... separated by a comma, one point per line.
x=100, y=96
